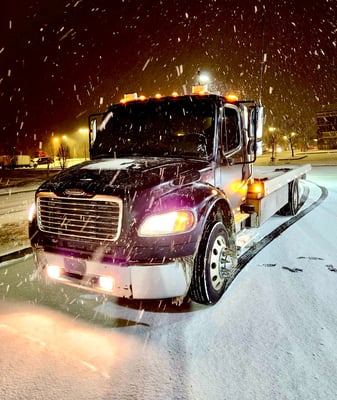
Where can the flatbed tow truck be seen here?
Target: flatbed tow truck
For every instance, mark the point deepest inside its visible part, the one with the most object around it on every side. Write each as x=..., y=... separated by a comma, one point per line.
x=167, y=202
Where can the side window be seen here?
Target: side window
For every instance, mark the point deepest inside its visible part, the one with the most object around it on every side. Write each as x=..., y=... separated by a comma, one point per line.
x=230, y=130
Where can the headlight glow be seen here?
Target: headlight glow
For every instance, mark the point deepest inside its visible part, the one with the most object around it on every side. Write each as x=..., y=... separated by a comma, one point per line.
x=53, y=271
x=168, y=224
x=106, y=282
x=32, y=212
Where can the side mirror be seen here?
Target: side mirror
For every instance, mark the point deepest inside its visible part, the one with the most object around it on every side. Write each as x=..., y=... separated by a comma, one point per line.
x=228, y=161
x=254, y=147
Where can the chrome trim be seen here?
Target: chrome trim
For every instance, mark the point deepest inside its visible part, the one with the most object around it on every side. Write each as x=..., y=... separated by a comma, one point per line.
x=96, y=218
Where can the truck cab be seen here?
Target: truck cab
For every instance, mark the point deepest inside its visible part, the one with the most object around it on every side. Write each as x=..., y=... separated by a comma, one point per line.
x=156, y=211
x=220, y=131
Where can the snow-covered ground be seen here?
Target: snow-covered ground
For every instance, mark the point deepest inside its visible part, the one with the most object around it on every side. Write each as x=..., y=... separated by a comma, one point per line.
x=273, y=335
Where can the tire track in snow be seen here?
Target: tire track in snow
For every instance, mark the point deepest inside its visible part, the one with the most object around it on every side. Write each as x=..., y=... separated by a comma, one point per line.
x=261, y=244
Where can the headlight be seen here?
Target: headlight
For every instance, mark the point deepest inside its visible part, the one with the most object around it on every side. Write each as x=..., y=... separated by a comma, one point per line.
x=32, y=212
x=168, y=224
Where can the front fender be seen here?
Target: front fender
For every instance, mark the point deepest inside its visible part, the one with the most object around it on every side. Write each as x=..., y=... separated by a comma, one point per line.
x=206, y=202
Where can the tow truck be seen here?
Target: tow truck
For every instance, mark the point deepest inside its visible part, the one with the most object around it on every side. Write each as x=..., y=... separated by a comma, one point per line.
x=166, y=204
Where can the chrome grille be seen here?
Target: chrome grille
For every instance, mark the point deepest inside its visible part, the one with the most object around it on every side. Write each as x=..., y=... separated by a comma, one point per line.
x=97, y=218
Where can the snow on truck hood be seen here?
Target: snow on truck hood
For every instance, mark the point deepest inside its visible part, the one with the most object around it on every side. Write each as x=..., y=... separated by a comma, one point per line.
x=114, y=164
x=106, y=175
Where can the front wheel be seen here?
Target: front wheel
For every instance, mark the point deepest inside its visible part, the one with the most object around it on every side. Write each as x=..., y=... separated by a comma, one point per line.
x=214, y=265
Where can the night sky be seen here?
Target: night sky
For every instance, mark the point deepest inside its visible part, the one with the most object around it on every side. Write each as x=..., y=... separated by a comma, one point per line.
x=62, y=60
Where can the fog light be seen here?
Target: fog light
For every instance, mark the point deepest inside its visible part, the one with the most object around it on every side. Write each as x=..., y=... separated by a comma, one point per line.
x=53, y=271
x=106, y=282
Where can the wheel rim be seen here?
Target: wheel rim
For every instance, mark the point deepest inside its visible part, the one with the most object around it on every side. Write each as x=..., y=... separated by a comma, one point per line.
x=220, y=262
x=296, y=197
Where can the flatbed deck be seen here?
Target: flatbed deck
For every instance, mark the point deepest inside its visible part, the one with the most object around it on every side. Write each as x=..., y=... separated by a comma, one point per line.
x=275, y=177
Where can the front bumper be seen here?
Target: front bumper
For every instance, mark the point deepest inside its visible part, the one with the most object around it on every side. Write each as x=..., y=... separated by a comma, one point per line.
x=137, y=281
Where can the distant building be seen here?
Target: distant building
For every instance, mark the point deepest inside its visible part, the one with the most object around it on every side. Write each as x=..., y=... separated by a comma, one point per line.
x=327, y=129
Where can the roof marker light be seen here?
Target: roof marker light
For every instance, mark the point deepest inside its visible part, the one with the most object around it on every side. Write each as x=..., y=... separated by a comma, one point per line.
x=231, y=98
x=129, y=97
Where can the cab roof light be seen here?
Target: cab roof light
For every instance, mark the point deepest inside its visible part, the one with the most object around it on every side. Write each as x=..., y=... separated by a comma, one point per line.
x=231, y=98
x=175, y=94
x=157, y=96
x=129, y=97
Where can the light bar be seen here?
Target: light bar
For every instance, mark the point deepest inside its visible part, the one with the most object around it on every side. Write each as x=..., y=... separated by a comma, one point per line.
x=231, y=98
x=129, y=97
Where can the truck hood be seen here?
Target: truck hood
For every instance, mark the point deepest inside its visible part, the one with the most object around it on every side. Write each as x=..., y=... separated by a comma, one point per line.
x=116, y=176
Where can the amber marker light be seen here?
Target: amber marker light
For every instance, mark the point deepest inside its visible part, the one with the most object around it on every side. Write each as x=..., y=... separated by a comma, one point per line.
x=231, y=98
x=256, y=189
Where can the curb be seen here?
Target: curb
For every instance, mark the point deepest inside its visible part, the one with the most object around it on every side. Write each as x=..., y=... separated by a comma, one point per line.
x=15, y=254
x=5, y=192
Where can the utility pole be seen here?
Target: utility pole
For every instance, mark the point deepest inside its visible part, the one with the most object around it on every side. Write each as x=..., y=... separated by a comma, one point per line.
x=263, y=56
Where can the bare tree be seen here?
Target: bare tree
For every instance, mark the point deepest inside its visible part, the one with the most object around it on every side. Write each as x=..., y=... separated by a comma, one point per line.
x=272, y=139
x=63, y=154
x=291, y=137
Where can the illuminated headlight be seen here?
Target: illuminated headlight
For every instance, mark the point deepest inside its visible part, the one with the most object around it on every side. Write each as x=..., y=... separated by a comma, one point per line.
x=32, y=212
x=168, y=224
x=106, y=282
x=54, y=271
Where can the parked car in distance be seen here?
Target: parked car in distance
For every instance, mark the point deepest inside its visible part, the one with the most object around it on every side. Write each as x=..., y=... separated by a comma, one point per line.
x=42, y=161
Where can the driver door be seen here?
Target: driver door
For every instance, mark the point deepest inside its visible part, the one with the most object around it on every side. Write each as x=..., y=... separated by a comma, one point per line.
x=233, y=173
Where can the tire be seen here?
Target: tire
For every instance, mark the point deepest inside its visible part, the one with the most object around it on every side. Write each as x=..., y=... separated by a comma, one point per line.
x=293, y=204
x=214, y=266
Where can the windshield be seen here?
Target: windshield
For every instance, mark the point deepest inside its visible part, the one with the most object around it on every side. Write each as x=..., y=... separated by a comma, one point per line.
x=168, y=127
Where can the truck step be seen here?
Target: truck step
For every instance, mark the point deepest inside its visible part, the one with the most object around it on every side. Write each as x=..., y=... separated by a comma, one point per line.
x=245, y=238
x=240, y=219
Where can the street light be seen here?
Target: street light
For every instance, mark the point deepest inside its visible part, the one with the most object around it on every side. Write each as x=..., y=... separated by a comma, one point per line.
x=55, y=146
x=203, y=78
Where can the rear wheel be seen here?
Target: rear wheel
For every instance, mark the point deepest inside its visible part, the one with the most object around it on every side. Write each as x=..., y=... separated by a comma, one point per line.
x=293, y=204
x=214, y=265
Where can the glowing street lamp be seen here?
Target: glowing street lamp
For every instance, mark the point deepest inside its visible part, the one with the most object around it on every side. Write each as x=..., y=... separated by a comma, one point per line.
x=203, y=78
x=55, y=146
